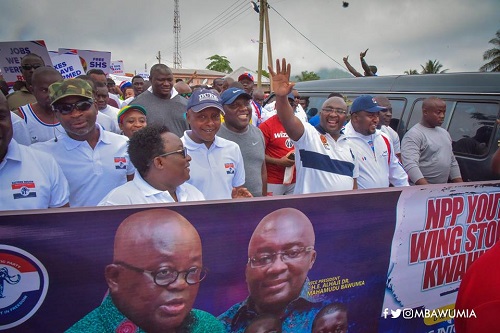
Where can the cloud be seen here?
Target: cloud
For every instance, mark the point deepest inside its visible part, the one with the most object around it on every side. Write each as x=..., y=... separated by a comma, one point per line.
x=400, y=34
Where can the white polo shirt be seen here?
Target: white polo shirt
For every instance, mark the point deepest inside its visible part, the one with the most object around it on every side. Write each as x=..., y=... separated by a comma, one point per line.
x=112, y=113
x=91, y=173
x=215, y=171
x=31, y=179
x=323, y=164
x=138, y=191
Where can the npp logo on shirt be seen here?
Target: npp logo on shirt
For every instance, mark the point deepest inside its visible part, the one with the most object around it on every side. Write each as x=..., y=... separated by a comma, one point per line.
x=23, y=189
x=229, y=168
x=120, y=163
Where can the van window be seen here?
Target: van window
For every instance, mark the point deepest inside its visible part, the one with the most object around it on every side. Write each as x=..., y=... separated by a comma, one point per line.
x=398, y=106
x=471, y=127
x=416, y=115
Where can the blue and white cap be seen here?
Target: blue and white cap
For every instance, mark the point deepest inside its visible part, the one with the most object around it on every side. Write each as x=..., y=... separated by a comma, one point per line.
x=204, y=98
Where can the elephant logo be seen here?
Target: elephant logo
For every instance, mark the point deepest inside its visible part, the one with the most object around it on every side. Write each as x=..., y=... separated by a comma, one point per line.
x=5, y=277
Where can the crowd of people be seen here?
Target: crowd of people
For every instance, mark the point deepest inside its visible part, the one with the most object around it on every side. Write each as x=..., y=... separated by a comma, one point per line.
x=75, y=143
x=175, y=144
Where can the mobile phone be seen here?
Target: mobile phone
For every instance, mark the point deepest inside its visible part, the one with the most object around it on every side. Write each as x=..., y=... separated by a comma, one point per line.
x=291, y=156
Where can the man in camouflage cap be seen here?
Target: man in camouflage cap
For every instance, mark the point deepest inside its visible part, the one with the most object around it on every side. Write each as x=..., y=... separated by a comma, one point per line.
x=93, y=160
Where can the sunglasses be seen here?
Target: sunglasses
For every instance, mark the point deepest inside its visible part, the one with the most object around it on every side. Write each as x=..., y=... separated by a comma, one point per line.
x=29, y=67
x=187, y=95
x=67, y=108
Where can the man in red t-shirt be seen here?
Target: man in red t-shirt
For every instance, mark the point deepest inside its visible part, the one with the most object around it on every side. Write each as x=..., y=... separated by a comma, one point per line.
x=280, y=158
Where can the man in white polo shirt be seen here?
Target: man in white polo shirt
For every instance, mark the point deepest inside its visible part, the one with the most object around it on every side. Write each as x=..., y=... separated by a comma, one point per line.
x=324, y=160
x=29, y=179
x=162, y=169
x=93, y=160
x=217, y=168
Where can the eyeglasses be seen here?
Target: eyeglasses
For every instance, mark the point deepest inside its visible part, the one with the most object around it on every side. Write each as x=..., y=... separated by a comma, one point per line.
x=182, y=151
x=266, y=259
x=334, y=110
x=67, y=108
x=167, y=276
x=296, y=97
x=29, y=67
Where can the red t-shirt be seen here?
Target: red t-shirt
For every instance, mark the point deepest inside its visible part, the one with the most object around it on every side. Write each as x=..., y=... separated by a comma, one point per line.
x=278, y=144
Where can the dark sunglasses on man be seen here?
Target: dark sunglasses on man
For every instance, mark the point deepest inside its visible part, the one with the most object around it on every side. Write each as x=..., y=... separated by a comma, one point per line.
x=67, y=108
x=29, y=67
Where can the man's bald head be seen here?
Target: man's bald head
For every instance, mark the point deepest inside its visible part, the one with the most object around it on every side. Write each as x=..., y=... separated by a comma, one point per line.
x=281, y=252
x=182, y=87
x=159, y=69
x=152, y=228
x=45, y=72
x=287, y=223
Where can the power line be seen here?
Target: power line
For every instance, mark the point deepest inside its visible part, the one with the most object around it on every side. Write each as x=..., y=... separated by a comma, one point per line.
x=195, y=34
x=310, y=41
x=239, y=11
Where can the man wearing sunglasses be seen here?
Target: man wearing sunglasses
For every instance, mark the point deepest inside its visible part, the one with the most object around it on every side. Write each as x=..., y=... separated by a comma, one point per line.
x=93, y=160
x=280, y=255
x=25, y=96
x=153, y=280
x=162, y=166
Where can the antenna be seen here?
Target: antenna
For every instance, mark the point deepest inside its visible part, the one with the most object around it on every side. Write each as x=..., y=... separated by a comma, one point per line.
x=177, y=35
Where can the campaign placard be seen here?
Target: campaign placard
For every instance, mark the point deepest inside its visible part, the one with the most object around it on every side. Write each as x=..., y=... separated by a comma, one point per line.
x=68, y=65
x=11, y=54
x=117, y=67
x=91, y=59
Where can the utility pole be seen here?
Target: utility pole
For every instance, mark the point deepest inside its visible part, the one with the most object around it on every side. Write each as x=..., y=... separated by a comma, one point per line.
x=268, y=38
x=177, y=34
x=261, y=43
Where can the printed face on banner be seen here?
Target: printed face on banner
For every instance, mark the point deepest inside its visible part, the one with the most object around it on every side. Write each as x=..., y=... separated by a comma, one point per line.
x=280, y=258
x=163, y=246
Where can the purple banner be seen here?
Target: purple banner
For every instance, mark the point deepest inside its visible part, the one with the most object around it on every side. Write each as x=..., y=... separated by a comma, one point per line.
x=353, y=242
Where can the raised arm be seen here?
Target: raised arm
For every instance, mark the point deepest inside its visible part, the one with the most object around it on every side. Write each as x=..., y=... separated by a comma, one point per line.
x=350, y=68
x=366, y=68
x=282, y=87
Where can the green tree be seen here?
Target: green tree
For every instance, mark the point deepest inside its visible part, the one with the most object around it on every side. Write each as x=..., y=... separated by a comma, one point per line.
x=307, y=76
x=219, y=63
x=432, y=67
x=411, y=72
x=493, y=55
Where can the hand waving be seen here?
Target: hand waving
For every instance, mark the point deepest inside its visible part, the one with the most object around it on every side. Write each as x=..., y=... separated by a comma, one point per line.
x=363, y=54
x=281, y=79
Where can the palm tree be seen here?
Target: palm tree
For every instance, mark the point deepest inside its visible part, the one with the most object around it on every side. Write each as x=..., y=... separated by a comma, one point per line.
x=494, y=55
x=219, y=63
x=411, y=72
x=432, y=67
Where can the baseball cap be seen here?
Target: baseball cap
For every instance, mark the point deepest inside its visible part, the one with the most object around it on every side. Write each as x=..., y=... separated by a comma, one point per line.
x=245, y=75
x=121, y=113
x=69, y=87
x=365, y=103
x=125, y=84
x=231, y=94
x=204, y=98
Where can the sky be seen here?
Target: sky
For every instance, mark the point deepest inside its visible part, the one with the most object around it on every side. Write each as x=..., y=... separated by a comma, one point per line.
x=400, y=34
